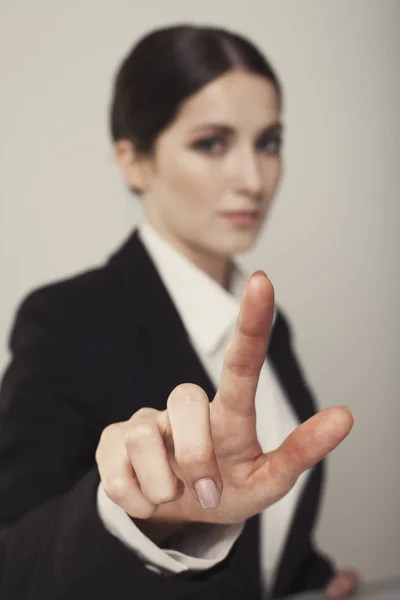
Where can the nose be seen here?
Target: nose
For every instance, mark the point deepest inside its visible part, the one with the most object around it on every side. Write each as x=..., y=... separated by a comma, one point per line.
x=249, y=175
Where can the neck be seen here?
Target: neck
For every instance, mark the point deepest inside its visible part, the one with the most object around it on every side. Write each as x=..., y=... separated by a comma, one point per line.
x=217, y=267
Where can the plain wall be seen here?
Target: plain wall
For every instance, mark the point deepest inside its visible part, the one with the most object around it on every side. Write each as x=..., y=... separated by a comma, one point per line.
x=330, y=246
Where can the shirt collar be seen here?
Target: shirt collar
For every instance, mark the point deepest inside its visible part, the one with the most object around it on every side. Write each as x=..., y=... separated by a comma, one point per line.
x=207, y=310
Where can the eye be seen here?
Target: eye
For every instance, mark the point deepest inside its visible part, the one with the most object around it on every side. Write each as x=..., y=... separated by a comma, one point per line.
x=210, y=145
x=270, y=145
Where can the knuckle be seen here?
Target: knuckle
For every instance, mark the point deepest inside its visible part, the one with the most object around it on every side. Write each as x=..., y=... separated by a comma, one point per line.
x=146, y=511
x=163, y=496
x=106, y=433
x=105, y=438
x=134, y=436
x=116, y=489
x=195, y=456
x=144, y=413
x=241, y=368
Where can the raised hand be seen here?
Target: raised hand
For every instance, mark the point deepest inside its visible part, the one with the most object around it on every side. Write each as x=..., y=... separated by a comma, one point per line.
x=201, y=461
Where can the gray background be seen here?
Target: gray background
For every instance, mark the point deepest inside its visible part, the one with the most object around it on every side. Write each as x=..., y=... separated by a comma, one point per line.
x=331, y=244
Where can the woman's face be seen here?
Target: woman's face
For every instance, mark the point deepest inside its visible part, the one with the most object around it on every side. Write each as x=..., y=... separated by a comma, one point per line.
x=216, y=168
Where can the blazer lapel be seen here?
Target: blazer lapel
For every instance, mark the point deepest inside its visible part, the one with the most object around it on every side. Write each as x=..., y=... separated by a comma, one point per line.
x=292, y=380
x=164, y=337
x=288, y=371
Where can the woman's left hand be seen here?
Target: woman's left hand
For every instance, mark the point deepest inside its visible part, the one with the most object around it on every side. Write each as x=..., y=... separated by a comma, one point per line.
x=343, y=584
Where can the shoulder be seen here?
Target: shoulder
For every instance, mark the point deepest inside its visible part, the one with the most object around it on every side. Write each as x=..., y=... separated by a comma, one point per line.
x=91, y=293
x=84, y=307
x=65, y=298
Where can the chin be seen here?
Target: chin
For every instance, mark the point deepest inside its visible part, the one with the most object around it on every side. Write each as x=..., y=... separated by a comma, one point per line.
x=237, y=242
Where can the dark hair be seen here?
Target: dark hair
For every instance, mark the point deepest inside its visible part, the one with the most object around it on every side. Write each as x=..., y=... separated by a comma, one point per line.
x=165, y=68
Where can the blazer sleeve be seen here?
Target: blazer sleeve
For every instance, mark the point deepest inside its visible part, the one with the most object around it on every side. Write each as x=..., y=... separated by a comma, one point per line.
x=53, y=545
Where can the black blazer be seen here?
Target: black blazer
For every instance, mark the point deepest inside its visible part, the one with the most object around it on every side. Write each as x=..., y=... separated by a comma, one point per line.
x=88, y=352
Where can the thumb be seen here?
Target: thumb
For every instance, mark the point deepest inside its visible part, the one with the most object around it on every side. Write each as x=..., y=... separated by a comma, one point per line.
x=308, y=444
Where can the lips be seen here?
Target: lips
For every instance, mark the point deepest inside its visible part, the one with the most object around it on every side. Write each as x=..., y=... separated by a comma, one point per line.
x=240, y=213
x=241, y=217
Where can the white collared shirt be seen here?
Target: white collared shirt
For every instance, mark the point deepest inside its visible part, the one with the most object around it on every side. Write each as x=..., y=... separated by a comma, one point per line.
x=209, y=314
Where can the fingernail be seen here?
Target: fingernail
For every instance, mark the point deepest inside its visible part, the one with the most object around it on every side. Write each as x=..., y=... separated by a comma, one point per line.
x=207, y=493
x=256, y=273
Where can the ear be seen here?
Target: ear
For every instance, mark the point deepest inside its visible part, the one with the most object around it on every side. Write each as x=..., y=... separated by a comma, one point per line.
x=130, y=164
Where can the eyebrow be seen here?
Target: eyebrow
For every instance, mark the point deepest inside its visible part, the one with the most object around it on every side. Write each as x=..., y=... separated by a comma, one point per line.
x=273, y=128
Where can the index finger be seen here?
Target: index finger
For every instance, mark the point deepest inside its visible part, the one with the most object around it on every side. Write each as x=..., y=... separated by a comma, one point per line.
x=246, y=353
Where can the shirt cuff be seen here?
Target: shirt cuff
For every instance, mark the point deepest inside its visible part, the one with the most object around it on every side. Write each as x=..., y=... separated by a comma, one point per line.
x=200, y=547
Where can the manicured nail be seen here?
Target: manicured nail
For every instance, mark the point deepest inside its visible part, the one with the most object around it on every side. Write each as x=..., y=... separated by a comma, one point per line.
x=207, y=493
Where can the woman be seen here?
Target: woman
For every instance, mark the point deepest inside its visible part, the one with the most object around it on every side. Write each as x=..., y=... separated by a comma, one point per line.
x=115, y=478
